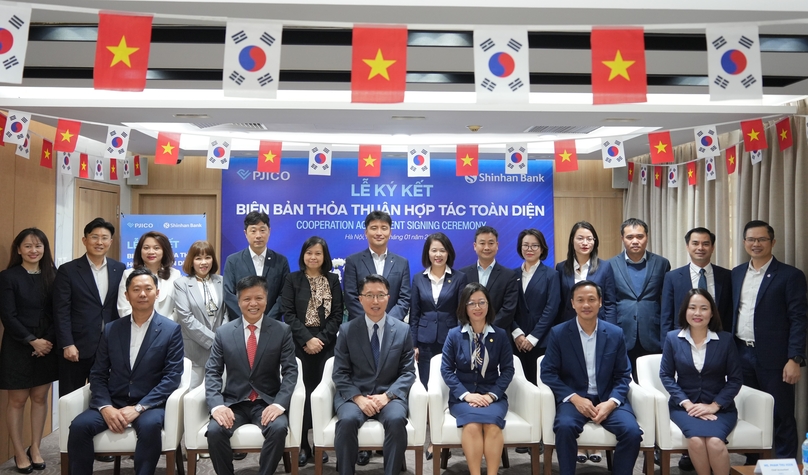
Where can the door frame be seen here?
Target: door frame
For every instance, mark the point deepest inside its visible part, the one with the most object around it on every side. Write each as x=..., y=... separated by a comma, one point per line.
x=85, y=184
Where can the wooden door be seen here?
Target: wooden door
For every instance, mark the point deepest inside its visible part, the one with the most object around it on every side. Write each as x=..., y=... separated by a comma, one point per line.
x=94, y=199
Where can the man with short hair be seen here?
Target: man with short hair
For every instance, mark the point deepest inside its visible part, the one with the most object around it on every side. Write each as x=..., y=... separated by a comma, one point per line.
x=138, y=365
x=85, y=295
x=498, y=279
x=769, y=324
x=373, y=372
x=259, y=356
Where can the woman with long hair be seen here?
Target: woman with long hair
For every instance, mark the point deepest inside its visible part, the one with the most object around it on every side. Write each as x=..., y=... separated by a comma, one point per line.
x=154, y=252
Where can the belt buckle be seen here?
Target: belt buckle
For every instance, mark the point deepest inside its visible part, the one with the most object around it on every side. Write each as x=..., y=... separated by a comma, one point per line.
x=749, y=343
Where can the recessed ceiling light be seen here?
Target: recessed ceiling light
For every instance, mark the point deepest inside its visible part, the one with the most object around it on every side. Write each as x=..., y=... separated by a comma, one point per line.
x=408, y=117
x=620, y=120
x=191, y=116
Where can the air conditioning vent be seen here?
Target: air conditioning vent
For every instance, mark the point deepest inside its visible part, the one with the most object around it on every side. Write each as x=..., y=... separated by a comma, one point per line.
x=560, y=129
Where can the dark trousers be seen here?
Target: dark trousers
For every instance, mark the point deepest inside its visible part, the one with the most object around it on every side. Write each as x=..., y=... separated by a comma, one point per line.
x=425, y=353
x=312, y=367
x=73, y=376
x=569, y=423
x=247, y=412
x=350, y=418
x=770, y=380
x=90, y=423
x=529, y=361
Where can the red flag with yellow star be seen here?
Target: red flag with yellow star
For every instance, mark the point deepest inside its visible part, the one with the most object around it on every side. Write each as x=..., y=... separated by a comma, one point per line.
x=122, y=52
x=167, y=152
x=630, y=172
x=3, y=119
x=370, y=160
x=269, y=157
x=784, y=134
x=618, y=66
x=84, y=166
x=113, y=168
x=136, y=164
x=754, y=137
x=566, y=157
x=732, y=159
x=691, y=173
x=379, y=64
x=46, y=157
x=658, y=177
x=467, y=160
x=67, y=135
x=661, y=147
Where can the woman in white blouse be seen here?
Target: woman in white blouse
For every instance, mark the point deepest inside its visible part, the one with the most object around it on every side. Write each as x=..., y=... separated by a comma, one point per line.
x=154, y=252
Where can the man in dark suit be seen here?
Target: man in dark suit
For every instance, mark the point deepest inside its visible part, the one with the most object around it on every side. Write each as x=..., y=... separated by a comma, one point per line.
x=258, y=260
x=137, y=367
x=373, y=373
x=587, y=368
x=497, y=279
x=638, y=279
x=85, y=293
x=769, y=323
x=378, y=259
x=259, y=356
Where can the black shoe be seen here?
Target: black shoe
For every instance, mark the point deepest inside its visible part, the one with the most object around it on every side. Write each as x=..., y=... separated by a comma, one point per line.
x=380, y=452
x=36, y=466
x=239, y=455
x=364, y=457
x=105, y=458
x=302, y=459
x=595, y=458
x=581, y=458
x=685, y=463
x=325, y=457
x=657, y=457
x=428, y=455
x=522, y=450
x=28, y=469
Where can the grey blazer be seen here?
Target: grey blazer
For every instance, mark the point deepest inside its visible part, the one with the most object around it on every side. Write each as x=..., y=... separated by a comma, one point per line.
x=198, y=329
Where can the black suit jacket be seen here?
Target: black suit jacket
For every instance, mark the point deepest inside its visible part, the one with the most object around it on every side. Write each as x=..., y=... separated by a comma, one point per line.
x=430, y=323
x=77, y=307
x=295, y=300
x=240, y=264
x=678, y=284
x=396, y=271
x=502, y=291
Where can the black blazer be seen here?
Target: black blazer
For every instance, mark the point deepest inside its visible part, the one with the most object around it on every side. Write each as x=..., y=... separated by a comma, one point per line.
x=502, y=291
x=603, y=276
x=295, y=299
x=77, y=308
x=396, y=271
x=538, y=305
x=430, y=323
x=25, y=307
x=240, y=264
x=678, y=284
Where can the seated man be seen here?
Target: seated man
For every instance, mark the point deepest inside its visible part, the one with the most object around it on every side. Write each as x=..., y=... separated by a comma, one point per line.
x=259, y=356
x=137, y=367
x=587, y=367
x=373, y=373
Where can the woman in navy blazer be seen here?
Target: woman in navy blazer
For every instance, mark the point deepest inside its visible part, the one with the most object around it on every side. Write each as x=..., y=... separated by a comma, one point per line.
x=477, y=366
x=539, y=298
x=701, y=371
x=433, y=306
x=582, y=263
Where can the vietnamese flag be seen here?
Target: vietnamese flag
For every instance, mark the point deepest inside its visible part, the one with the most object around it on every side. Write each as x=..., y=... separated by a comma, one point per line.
x=754, y=137
x=84, y=166
x=168, y=150
x=661, y=147
x=784, y=137
x=566, y=156
x=122, y=52
x=67, y=135
x=370, y=160
x=269, y=157
x=113, y=168
x=136, y=161
x=691, y=173
x=732, y=159
x=379, y=64
x=630, y=172
x=3, y=119
x=466, y=160
x=658, y=177
x=46, y=157
x=618, y=66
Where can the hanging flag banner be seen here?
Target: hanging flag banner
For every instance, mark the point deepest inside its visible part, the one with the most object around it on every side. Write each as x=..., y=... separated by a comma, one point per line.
x=46, y=157
x=733, y=63
x=320, y=160
x=136, y=166
x=167, y=152
x=99, y=169
x=706, y=141
x=3, y=120
x=618, y=66
x=566, y=156
x=418, y=161
x=501, y=69
x=630, y=172
x=13, y=42
x=732, y=159
x=182, y=230
x=613, y=153
x=16, y=127
x=24, y=149
x=673, y=176
x=661, y=147
x=117, y=141
x=126, y=168
x=378, y=64
x=65, y=162
x=369, y=161
x=122, y=52
x=691, y=174
x=709, y=168
x=219, y=153
x=269, y=156
x=466, y=160
x=784, y=137
x=644, y=175
x=754, y=135
x=84, y=166
x=113, y=169
x=756, y=156
x=67, y=135
x=252, y=59
x=516, y=159
x=658, y=177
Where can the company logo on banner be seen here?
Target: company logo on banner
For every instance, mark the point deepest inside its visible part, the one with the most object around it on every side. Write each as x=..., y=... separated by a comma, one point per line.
x=181, y=230
x=300, y=205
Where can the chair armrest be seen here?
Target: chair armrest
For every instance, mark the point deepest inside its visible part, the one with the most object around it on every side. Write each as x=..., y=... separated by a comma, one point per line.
x=295, y=413
x=757, y=408
x=438, y=400
x=322, y=406
x=523, y=399
x=662, y=417
x=195, y=415
x=547, y=408
x=173, y=422
x=417, y=401
x=642, y=403
x=70, y=406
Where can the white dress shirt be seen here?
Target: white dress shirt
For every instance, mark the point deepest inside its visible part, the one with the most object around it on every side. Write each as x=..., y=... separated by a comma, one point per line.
x=378, y=261
x=581, y=271
x=381, y=323
x=484, y=274
x=101, y=278
x=708, y=274
x=136, y=339
x=746, y=309
x=437, y=283
x=258, y=261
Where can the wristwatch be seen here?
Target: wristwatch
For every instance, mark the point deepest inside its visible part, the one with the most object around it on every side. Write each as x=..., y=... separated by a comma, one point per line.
x=390, y=395
x=798, y=359
x=140, y=409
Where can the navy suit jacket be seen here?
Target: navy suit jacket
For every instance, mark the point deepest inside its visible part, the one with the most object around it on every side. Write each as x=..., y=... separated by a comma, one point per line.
x=638, y=313
x=603, y=276
x=780, y=313
x=538, y=305
x=456, y=365
x=396, y=271
x=155, y=375
x=430, y=323
x=563, y=368
x=240, y=264
x=720, y=378
x=502, y=291
x=677, y=284
x=77, y=308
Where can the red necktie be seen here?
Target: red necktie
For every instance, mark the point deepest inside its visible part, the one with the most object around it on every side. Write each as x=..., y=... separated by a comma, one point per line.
x=252, y=345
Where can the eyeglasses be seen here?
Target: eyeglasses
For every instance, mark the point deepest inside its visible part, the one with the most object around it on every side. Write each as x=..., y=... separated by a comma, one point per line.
x=585, y=239
x=531, y=247
x=97, y=238
x=375, y=297
x=762, y=240
x=479, y=303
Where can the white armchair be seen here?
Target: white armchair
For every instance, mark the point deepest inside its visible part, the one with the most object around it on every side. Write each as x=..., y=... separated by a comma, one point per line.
x=247, y=438
x=109, y=443
x=594, y=436
x=371, y=434
x=754, y=431
x=522, y=422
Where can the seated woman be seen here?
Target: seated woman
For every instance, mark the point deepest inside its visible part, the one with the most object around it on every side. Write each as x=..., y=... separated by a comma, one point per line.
x=701, y=371
x=478, y=357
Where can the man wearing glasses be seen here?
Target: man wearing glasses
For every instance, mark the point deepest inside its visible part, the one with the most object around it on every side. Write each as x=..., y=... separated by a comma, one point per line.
x=769, y=322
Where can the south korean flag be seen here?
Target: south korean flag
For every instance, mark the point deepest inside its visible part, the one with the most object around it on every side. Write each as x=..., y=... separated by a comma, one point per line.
x=418, y=161
x=252, y=59
x=501, y=65
x=613, y=153
x=14, y=22
x=126, y=168
x=65, y=162
x=320, y=160
x=117, y=141
x=516, y=159
x=219, y=153
x=706, y=141
x=24, y=149
x=733, y=63
x=709, y=168
x=644, y=174
x=16, y=127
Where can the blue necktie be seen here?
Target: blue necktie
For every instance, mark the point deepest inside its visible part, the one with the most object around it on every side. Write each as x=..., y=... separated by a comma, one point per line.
x=374, y=344
x=702, y=280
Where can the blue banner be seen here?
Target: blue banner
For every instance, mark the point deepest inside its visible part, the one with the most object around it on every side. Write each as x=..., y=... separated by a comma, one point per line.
x=334, y=207
x=181, y=230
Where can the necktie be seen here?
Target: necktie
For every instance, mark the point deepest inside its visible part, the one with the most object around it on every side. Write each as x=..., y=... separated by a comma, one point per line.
x=702, y=280
x=374, y=344
x=252, y=345
x=479, y=352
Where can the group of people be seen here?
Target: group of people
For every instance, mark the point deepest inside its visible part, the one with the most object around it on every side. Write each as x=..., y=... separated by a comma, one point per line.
x=589, y=318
